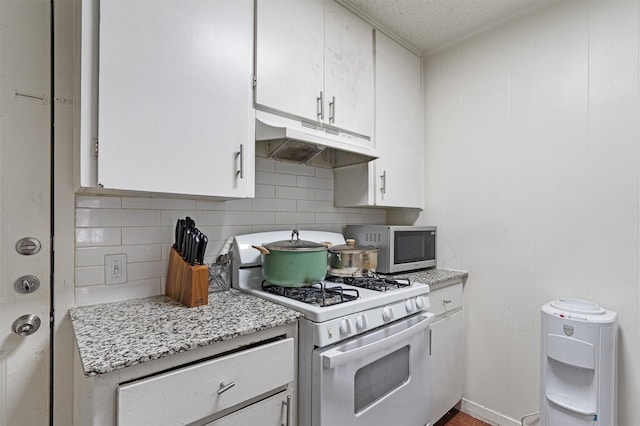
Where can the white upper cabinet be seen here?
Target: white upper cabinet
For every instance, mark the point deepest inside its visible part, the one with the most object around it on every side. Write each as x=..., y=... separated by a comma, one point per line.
x=289, y=56
x=315, y=62
x=348, y=70
x=175, y=103
x=396, y=179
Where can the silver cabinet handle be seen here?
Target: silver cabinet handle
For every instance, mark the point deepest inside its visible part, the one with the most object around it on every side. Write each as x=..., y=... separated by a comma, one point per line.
x=223, y=388
x=320, y=102
x=288, y=405
x=241, y=155
x=383, y=178
x=430, y=333
x=445, y=301
x=332, y=110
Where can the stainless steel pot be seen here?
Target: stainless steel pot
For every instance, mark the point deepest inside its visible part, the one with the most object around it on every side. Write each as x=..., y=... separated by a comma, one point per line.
x=294, y=262
x=350, y=260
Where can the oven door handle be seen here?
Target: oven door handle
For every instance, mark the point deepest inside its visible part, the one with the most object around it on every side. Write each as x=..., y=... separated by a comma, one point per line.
x=335, y=357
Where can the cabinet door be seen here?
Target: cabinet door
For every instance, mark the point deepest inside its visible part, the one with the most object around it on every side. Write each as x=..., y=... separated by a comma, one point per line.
x=175, y=111
x=289, y=56
x=446, y=364
x=348, y=66
x=399, y=172
x=273, y=411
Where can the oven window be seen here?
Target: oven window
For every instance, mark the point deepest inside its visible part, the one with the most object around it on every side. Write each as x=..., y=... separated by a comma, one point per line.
x=375, y=380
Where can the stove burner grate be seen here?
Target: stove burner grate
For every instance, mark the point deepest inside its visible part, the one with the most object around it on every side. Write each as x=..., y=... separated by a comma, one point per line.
x=316, y=294
x=372, y=282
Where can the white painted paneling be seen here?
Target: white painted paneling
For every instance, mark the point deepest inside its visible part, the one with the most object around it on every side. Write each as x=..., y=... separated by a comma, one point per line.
x=532, y=175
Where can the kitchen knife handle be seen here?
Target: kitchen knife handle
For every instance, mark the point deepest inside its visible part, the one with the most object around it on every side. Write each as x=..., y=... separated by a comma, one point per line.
x=176, y=237
x=241, y=155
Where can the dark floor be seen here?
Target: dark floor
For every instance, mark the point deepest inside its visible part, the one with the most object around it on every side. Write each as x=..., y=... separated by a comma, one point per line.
x=458, y=418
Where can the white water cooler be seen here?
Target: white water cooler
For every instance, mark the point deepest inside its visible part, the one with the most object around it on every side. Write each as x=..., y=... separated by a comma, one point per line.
x=578, y=365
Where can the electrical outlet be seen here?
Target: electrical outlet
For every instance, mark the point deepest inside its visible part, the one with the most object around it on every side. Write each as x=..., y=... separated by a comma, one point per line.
x=115, y=268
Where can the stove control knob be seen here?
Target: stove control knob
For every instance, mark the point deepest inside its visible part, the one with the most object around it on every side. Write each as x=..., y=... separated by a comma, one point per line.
x=346, y=327
x=410, y=305
x=387, y=314
x=361, y=322
x=420, y=303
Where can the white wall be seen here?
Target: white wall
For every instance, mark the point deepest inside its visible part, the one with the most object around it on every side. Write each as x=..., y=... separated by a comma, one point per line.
x=532, y=175
x=287, y=195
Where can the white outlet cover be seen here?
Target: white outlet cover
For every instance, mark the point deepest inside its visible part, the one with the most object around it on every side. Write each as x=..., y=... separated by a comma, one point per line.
x=115, y=268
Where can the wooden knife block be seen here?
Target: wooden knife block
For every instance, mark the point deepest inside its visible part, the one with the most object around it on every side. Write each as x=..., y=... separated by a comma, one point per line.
x=187, y=284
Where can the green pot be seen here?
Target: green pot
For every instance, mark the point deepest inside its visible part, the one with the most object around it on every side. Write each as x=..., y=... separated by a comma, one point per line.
x=293, y=263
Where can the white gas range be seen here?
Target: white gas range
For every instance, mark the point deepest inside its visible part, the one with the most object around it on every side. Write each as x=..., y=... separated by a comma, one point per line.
x=363, y=355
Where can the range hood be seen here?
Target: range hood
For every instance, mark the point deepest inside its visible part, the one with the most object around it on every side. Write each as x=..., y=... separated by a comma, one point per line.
x=301, y=141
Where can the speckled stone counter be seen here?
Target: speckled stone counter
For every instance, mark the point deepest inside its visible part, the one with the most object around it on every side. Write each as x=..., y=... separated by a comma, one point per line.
x=436, y=278
x=122, y=334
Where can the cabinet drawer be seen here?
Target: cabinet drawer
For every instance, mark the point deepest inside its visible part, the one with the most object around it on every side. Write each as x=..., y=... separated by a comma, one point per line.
x=273, y=411
x=446, y=299
x=189, y=394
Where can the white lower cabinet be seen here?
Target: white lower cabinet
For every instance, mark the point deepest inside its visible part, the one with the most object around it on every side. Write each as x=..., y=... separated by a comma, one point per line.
x=245, y=381
x=446, y=350
x=193, y=393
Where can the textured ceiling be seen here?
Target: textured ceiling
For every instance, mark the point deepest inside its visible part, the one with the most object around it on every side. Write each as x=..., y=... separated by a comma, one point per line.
x=430, y=24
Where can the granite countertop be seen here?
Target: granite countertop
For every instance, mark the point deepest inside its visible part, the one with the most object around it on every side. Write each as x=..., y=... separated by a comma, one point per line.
x=121, y=334
x=436, y=278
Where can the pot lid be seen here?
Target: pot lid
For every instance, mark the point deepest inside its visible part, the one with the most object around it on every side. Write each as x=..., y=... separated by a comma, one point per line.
x=351, y=246
x=295, y=244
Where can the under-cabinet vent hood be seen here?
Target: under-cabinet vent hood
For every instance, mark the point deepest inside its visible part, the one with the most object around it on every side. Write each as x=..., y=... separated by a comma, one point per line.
x=301, y=141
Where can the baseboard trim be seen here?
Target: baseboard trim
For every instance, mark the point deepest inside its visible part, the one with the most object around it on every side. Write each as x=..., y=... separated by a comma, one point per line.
x=486, y=415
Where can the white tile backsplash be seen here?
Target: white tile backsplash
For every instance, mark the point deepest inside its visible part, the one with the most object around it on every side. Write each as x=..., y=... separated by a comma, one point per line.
x=92, y=237
x=287, y=195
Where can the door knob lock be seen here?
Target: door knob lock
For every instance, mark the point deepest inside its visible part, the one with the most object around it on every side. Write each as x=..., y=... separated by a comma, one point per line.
x=26, y=325
x=27, y=284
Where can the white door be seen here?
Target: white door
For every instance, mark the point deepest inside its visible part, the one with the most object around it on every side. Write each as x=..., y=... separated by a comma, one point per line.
x=374, y=379
x=25, y=107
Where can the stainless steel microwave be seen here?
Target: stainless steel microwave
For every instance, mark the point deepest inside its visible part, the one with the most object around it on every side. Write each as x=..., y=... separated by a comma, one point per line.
x=401, y=248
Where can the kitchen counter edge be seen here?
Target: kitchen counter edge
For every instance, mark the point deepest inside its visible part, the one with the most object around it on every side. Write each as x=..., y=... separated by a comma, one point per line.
x=116, y=335
x=436, y=278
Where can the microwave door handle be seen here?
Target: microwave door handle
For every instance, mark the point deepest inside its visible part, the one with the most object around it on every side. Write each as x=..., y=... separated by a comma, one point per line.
x=335, y=357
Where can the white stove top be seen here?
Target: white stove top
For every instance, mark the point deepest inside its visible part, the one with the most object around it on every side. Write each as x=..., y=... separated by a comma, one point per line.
x=247, y=276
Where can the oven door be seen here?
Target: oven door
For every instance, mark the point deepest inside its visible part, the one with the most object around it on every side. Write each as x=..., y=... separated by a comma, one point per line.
x=375, y=379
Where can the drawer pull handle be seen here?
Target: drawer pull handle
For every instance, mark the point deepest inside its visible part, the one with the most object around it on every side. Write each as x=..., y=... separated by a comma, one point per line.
x=223, y=388
x=445, y=301
x=288, y=405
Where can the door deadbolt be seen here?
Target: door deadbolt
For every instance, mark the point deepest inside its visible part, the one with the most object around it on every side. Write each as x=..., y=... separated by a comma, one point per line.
x=28, y=246
x=26, y=325
x=27, y=284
